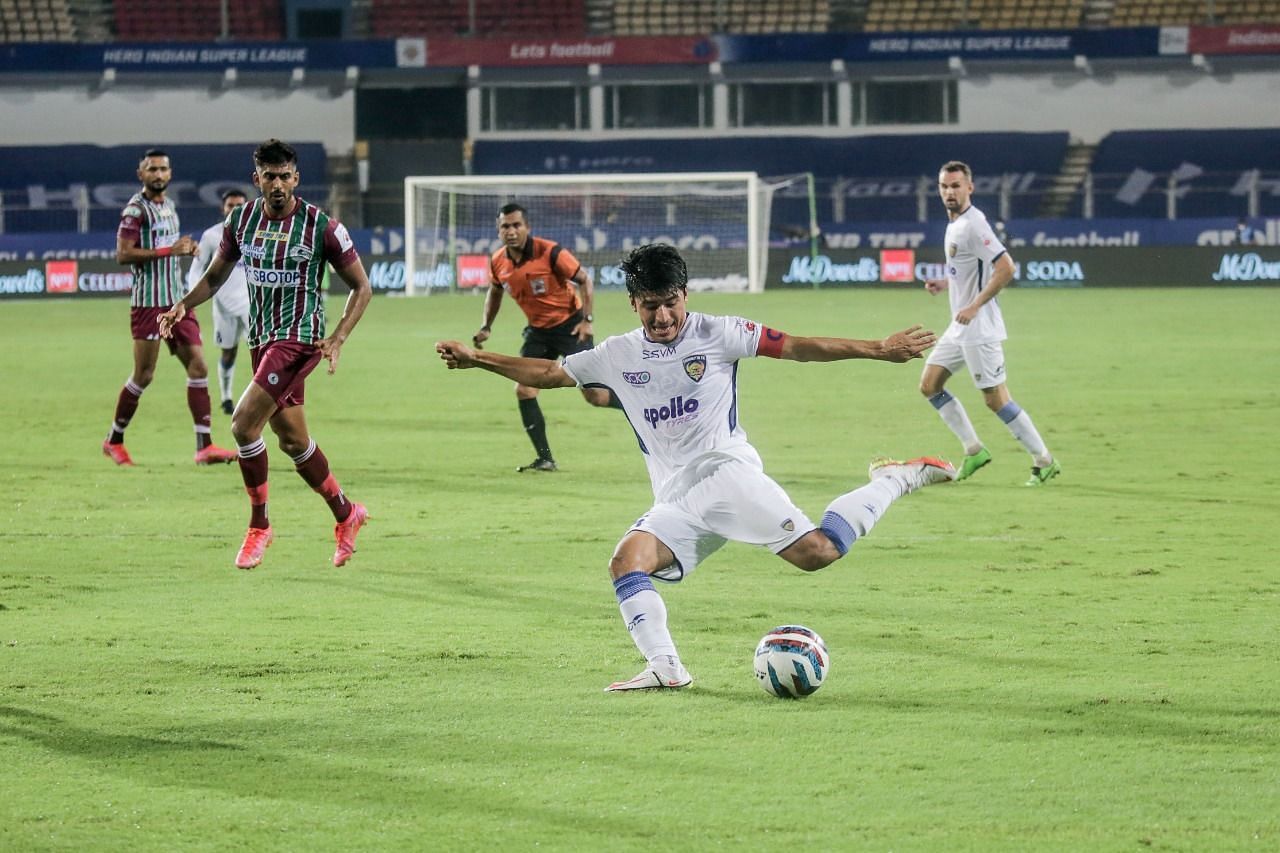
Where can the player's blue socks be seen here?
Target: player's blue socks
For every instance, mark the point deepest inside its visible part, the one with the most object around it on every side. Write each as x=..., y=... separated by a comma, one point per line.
x=852, y=515
x=957, y=420
x=630, y=584
x=1020, y=425
x=645, y=615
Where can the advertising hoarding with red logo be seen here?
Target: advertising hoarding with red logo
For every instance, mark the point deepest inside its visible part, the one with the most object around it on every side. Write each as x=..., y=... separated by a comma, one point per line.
x=1263, y=38
x=897, y=265
x=473, y=270
x=60, y=276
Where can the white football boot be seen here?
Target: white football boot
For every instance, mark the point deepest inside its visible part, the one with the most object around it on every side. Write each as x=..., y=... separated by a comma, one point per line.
x=670, y=675
x=913, y=473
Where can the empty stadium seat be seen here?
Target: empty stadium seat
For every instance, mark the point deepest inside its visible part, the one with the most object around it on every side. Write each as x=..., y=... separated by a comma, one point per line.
x=396, y=18
x=144, y=20
x=699, y=17
x=919, y=15
x=36, y=21
x=1131, y=172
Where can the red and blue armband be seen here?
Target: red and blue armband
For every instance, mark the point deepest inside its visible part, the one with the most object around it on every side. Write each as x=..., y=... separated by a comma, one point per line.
x=771, y=342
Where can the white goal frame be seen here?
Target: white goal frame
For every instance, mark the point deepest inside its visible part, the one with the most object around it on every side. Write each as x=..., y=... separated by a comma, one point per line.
x=757, y=239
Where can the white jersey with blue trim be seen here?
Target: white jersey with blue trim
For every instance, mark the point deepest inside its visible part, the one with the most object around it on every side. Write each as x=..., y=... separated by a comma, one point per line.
x=972, y=247
x=680, y=397
x=233, y=297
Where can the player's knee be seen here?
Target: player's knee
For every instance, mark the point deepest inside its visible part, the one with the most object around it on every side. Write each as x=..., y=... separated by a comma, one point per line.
x=292, y=448
x=619, y=566
x=243, y=435
x=812, y=553
x=142, y=378
x=816, y=562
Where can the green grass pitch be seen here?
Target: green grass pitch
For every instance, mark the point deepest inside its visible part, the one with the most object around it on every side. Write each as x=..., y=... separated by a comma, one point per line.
x=1088, y=666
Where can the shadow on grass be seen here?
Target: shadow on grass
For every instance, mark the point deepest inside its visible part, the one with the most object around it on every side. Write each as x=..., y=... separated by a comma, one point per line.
x=408, y=790
x=53, y=733
x=1168, y=722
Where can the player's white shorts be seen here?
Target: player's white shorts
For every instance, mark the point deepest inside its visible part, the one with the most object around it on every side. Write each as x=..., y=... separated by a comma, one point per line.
x=984, y=361
x=229, y=328
x=721, y=498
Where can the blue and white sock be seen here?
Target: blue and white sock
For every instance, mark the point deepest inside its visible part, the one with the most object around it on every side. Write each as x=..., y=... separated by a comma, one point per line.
x=957, y=420
x=226, y=379
x=1019, y=423
x=645, y=615
x=853, y=514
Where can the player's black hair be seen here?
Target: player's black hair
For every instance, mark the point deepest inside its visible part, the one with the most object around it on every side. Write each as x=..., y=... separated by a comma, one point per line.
x=656, y=269
x=152, y=152
x=273, y=152
x=226, y=194
x=512, y=207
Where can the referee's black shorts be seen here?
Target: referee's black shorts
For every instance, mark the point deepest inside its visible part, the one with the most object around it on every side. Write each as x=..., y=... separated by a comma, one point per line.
x=555, y=342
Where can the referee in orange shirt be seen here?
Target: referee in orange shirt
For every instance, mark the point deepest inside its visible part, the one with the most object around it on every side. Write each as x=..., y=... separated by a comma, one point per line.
x=556, y=295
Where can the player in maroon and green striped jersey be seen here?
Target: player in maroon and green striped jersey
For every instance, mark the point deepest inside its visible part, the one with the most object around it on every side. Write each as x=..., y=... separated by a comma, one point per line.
x=285, y=244
x=150, y=242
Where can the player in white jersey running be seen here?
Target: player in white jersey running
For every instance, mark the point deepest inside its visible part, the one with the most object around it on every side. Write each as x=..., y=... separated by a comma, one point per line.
x=978, y=268
x=230, y=303
x=676, y=380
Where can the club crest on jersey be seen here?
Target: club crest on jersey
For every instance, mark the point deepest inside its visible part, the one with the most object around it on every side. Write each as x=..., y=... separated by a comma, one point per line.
x=952, y=248
x=695, y=366
x=299, y=253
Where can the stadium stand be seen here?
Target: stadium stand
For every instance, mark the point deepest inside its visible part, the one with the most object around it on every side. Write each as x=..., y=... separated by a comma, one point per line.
x=36, y=21
x=394, y=18
x=1214, y=171
x=144, y=20
x=1247, y=11
x=876, y=178
x=699, y=17
x=1140, y=13
x=912, y=15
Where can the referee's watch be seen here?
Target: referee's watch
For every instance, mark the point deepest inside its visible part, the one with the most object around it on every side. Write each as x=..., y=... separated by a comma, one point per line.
x=588, y=318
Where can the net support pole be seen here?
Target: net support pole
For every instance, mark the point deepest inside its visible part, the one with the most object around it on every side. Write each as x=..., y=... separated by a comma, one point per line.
x=814, y=230
x=410, y=238
x=755, y=276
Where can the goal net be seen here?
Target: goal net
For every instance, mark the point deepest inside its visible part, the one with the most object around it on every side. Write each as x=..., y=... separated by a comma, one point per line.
x=718, y=220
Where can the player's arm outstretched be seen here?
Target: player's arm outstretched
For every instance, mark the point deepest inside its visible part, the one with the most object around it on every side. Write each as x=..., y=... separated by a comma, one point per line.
x=201, y=291
x=898, y=347
x=534, y=372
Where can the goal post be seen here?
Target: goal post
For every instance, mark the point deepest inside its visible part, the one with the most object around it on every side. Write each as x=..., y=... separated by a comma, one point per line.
x=718, y=220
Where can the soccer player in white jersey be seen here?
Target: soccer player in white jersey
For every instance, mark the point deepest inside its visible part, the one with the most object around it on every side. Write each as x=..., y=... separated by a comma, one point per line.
x=676, y=380
x=978, y=268
x=230, y=303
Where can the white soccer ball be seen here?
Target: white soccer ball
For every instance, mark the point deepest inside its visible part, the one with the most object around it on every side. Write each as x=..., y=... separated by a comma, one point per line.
x=791, y=662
